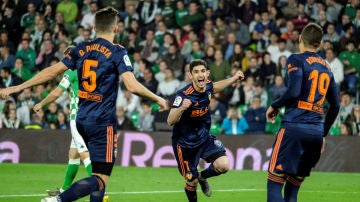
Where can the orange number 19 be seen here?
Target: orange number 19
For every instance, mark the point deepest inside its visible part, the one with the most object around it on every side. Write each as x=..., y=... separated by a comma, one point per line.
x=319, y=83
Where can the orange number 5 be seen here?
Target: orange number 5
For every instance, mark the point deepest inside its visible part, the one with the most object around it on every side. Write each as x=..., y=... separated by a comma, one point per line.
x=319, y=83
x=90, y=84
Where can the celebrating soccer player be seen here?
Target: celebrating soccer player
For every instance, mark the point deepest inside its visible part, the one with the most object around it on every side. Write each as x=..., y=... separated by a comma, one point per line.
x=191, y=138
x=301, y=138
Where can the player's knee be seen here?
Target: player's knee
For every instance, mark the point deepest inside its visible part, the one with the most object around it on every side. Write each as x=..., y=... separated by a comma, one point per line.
x=222, y=169
x=100, y=181
x=295, y=180
x=192, y=182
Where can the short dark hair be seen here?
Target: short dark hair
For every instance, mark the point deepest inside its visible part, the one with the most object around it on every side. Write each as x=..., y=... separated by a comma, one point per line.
x=197, y=62
x=105, y=19
x=312, y=35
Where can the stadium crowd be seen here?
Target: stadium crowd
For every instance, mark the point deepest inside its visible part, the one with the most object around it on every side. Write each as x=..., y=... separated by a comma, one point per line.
x=163, y=36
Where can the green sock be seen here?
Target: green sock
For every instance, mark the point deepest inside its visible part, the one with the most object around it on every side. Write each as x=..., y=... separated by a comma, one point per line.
x=70, y=174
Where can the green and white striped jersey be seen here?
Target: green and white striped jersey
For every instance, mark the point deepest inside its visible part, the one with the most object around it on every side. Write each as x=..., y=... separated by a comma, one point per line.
x=70, y=79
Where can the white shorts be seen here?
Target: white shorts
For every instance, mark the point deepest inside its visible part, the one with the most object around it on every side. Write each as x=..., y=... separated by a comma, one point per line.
x=77, y=141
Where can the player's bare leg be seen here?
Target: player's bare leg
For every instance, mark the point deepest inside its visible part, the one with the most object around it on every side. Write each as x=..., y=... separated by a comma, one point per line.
x=219, y=166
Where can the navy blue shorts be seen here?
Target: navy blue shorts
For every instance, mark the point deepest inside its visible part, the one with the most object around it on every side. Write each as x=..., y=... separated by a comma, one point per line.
x=101, y=141
x=188, y=158
x=296, y=149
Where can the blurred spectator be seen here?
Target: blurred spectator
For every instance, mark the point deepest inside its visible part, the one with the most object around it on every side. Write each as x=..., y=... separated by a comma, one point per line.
x=160, y=75
x=49, y=14
x=168, y=39
x=246, y=11
x=37, y=34
x=175, y=60
x=290, y=10
x=351, y=7
x=123, y=122
x=27, y=54
x=51, y=112
x=354, y=119
x=277, y=89
x=333, y=10
x=253, y=70
x=225, y=10
x=146, y=118
x=149, y=47
x=181, y=12
x=301, y=19
x=273, y=46
x=61, y=122
x=234, y=123
x=146, y=10
x=131, y=14
x=349, y=35
x=265, y=23
x=267, y=70
x=228, y=48
x=292, y=44
x=323, y=47
x=339, y=27
x=281, y=67
x=346, y=129
x=322, y=21
x=220, y=68
x=28, y=19
x=12, y=24
x=356, y=20
x=187, y=45
x=6, y=58
x=289, y=28
x=38, y=121
x=217, y=110
x=169, y=86
x=221, y=31
x=337, y=67
x=311, y=9
x=351, y=60
x=346, y=105
x=195, y=17
x=45, y=56
x=10, y=120
x=238, y=54
x=20, y=71
x=88, y=19
x=10, y=79
x=167, y=10
x=255, y=117
x=148, y=79
x=69, y=9
x=261, y=92
x=241, y=31
x=196, y=51
x=331, y=34
x=128, y=101
x=282, y=51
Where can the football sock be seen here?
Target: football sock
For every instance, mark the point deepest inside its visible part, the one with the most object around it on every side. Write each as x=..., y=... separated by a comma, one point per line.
x=209, y=172
x=87, y=164
x=71, y=170
x=191, y=193
x=274, y=188
x=291, y=189
x=82, y=188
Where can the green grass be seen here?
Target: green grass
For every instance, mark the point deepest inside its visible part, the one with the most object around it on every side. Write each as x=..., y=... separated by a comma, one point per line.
x=27, y=182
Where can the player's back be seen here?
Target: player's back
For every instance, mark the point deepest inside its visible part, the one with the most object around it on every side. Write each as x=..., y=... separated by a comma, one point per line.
x=316, y=80
x=99, y=63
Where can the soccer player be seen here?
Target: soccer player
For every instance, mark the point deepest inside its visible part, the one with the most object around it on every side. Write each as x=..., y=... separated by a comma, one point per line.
x=99, y=63
x=191, y=138
x=301, y=138
x=78, y=150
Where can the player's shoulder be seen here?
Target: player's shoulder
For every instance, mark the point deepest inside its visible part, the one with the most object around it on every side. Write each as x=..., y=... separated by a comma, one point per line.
x=187, y=90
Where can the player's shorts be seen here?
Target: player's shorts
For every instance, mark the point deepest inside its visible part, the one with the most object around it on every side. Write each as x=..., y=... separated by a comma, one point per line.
x=296, y=149
x=188, y=158
x=101, y=141
x=77, y=141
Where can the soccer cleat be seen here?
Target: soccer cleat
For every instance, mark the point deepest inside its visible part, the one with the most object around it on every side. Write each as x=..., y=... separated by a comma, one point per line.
x=106, y=198
x=54, y=192
x=205, y=187
x=49, y=199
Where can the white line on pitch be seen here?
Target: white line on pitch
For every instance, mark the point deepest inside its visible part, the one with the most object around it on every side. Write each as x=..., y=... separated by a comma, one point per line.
x=180, y=191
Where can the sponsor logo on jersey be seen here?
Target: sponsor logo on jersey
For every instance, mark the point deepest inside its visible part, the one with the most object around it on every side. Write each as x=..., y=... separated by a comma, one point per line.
x=218, y=143
x=177, y=101
x=209, y=95
x=127, y=60
x=188, y=175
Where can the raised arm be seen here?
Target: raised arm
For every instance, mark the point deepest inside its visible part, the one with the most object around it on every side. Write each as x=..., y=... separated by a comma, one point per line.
x=134, y=86
x=43, y=76
x=54, y=94
x=176, y=113
x=221, y=85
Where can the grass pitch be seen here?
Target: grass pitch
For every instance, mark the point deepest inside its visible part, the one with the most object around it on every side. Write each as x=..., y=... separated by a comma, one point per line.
x=28, y=182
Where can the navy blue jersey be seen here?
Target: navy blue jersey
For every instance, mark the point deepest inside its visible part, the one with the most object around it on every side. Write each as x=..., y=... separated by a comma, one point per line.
x=194, y=125
x=99, y=64
x=310, y=82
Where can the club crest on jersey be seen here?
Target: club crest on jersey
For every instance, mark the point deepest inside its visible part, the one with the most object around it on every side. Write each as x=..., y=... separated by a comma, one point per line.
x=218, y=143
x=177, y=101
x=188, y=175
x=209, y=95
x=127, y=60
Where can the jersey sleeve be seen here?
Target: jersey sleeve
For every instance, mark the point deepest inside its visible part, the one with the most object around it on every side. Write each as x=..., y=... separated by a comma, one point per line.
x=294, y=77
x=178, y=100
x=70, y=59
x=332, y=97
x=65, y=81
x=123, y=63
